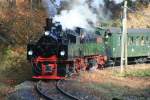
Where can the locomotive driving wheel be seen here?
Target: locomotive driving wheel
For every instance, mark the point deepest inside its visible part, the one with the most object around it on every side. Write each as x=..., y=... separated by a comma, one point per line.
x=92, y=64
x=140, y=60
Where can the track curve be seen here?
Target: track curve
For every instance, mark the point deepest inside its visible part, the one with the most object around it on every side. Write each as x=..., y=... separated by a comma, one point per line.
x=53, y=91
x=65, y=93
x=38, y=89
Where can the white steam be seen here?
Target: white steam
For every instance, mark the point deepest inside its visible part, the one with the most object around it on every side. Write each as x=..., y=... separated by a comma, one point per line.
x=78, y=16
x=97, y=3
x=120, y=1
x=81, y=14
x=58, y=2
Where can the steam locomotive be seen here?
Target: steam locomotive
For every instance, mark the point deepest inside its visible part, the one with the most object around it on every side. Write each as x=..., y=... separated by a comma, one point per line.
x=58, y=52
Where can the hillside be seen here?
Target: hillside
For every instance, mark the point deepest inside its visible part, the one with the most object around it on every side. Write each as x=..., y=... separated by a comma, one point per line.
x=139, y=19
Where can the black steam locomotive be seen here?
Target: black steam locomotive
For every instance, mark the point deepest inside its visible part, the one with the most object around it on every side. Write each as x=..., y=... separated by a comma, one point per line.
x=58, y=52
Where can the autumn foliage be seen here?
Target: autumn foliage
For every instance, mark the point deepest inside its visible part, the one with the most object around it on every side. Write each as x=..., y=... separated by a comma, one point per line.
x=22, y=21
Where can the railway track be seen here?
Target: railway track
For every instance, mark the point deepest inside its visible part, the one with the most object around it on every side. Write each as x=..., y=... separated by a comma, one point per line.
x=53, y=91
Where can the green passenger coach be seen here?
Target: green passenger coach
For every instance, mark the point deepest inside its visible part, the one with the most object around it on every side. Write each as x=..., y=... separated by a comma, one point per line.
x=138, y=41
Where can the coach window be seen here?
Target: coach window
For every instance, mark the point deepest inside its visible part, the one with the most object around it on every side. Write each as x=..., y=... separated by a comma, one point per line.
x=119, y=43
x=137, y=40
x=147, y=40
x=132, y=40
x=142, y=40
x=129, y=40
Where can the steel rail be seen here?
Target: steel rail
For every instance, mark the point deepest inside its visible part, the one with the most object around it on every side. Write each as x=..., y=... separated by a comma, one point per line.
x=58, y=88
x=38, y=89
x=64, y=92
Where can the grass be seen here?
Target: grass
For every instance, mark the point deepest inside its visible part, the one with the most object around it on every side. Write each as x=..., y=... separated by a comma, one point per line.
x=138, y=73
x=142, y=71
x=108, y=89
x=134, y=84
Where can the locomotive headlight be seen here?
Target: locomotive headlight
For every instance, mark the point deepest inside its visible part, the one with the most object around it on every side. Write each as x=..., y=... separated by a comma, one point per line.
x=62, y=53
x=107, y=36
x=46, y=33
x=30, y=52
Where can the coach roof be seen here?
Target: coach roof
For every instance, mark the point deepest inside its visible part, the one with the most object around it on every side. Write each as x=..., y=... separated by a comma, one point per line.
x=130, y=30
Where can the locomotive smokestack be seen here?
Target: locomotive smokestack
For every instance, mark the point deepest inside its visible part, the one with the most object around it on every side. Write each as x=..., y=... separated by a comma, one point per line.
x=78, y=30
x=49, y=24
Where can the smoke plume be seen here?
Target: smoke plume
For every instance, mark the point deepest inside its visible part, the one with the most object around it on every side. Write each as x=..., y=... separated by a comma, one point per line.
x=80, y=13
x=120, y=1
x=50, y=7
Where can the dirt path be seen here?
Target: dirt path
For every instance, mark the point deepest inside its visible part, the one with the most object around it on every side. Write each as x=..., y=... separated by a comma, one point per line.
x=104, y=84
x=110, y=85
